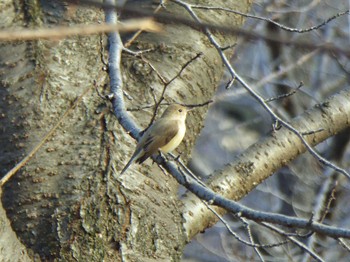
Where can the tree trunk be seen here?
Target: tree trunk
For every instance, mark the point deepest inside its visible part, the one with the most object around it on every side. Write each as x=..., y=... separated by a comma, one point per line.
x=69, y=200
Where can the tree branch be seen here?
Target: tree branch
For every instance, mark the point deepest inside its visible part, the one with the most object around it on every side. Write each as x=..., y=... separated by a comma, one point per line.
x=260, y=161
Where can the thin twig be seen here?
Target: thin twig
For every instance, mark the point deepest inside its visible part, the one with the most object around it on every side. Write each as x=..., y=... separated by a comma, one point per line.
x=59, y=32
x=294, y=240
x=285, y=95
x=167, y=83
x=284, y=27
x=247, y=226
x=199, y=105
x=236, y=236
x=344, y=244
x=166, y=18
x=197, y=187
x=260, y=99
x=322, y=206
x=133, y=38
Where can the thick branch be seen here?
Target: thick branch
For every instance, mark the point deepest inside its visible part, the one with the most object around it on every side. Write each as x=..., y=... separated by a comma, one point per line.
x=266, y=156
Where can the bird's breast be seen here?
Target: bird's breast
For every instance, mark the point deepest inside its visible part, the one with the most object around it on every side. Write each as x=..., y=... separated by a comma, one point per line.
x=175, y=141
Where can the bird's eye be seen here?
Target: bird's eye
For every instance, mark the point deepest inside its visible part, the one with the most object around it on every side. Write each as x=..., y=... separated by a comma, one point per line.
x=180, y=110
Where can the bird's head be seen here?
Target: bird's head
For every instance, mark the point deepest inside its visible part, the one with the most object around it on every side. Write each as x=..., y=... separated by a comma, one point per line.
x=176, y=111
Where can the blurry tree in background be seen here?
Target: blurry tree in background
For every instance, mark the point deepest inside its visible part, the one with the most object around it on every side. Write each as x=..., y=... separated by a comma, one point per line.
x=303, y=188
x=69, y=201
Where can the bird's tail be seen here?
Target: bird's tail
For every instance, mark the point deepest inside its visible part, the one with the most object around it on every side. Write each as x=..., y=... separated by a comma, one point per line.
x=132, y=160
x=127, y=165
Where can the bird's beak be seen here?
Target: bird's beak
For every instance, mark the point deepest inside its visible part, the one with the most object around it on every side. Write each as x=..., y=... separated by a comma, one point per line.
x=189, y=108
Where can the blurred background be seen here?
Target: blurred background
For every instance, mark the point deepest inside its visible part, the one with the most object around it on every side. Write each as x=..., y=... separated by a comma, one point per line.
x=235, y=121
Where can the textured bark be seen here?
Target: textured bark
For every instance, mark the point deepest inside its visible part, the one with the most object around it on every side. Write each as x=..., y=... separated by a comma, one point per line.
x=69, y=201
x=11, y=249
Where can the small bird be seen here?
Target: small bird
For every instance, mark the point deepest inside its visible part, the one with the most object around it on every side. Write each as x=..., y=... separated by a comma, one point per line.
x=165, y=135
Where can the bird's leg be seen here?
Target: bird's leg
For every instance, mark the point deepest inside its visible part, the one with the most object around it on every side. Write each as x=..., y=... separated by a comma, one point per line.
x=163, y=155
x=178, y=156
x=167, y=158
x=175, y=158
x=160, y=153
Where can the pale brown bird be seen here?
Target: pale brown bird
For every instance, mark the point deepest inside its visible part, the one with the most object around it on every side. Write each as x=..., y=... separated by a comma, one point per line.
x=165, y=135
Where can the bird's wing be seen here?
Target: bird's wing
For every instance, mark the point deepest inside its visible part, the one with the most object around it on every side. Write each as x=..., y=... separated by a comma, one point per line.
x=152, y=142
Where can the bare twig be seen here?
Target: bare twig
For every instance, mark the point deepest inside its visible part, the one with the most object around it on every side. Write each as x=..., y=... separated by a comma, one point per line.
x=236, y=236
x=285, y=95
x=167, y=83
x=322, y=205
x=59, y=32
x=344, y=244
x=166, y=18
x=295, y=241
x=259, y=98
x=132, y=39
x=199, y=105
x=286, y=28
x=256, y=249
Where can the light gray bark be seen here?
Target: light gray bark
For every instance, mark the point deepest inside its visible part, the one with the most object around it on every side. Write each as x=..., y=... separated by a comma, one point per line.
x=69, y=201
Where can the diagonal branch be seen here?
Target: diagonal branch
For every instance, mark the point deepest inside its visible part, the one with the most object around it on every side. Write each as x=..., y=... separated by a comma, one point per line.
x=259, y=162
x=277, y=119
